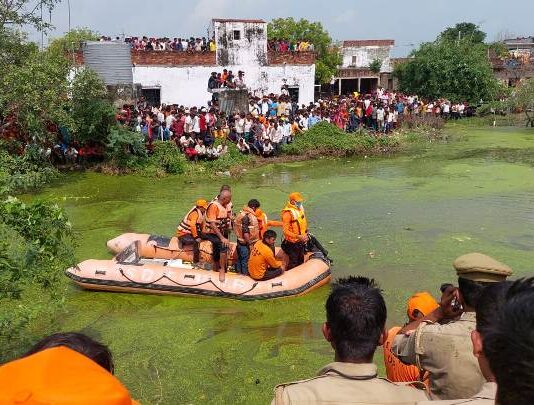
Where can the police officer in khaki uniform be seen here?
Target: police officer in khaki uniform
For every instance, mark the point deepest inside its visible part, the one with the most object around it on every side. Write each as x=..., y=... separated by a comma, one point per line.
x=355, y=326
x=489, y=309
x=444, y=349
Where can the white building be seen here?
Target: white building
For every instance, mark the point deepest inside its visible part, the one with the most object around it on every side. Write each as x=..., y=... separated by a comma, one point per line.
x=355, y=73
x=181, y=78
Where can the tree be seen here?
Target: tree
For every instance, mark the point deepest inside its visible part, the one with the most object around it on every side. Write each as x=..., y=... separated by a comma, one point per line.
x=375, y=66
x=25, y=12
x=463, y=31
x=523, y=99
x=91, y=112
x=72, y=40
x=328, y=56
x=453, y=70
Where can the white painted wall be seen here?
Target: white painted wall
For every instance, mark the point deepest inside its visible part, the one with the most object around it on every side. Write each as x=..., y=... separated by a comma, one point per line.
x=188, y=85
x=250, y=49
x=365, y=55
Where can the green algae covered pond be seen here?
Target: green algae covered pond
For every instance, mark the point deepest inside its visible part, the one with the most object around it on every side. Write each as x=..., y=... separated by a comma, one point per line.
x=401, y=220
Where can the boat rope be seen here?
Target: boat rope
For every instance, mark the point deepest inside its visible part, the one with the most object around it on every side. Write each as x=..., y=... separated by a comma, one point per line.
x=210, y=281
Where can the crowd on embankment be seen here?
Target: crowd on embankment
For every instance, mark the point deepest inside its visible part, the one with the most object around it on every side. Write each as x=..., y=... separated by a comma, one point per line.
x=475, y=345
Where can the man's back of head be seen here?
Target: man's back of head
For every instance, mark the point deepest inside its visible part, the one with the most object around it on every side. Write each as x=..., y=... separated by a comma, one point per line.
x=509, y=346
x=355, y=319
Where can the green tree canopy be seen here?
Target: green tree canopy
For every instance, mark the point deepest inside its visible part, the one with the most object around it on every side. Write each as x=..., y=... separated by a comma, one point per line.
x=72, y=40
x=463, y=31
x=454, y=70
x=25, y=12
x=328, y=56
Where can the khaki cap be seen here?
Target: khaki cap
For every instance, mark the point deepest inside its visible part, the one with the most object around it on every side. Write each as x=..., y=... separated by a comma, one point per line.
x=482, y=268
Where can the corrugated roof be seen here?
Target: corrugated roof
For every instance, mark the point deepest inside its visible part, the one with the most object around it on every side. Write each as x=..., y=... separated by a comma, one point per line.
x=368, y=42
x=225, y=20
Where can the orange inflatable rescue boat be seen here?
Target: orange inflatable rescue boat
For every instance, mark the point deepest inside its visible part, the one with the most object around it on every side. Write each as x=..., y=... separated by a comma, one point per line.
x=157, y=265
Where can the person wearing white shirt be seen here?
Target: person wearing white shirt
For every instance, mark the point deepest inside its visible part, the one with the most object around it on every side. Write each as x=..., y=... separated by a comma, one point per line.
x=243, y=146
x=268, y=148
x=264, y=107
x=196, y=125
x=188, y=123
x=286, y=132
x=240, y=126
x=200, y=149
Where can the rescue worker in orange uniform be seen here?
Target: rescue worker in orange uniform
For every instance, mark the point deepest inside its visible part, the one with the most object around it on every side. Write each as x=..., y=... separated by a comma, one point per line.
x=229, y=209
x=188, y=231
x=215, y=224
x=247, y=231
x=419, y=305
x=262, y=264
x=295, y=228
x=264, y=222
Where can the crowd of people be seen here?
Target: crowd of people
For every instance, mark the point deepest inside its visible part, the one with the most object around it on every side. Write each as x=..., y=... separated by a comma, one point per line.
x=474, y=346
x=272, y=121
x=285, y=46
x=196, y=44
x=145, y=43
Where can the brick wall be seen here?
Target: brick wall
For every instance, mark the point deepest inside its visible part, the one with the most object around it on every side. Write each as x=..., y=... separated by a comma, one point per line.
x=296, y=58
x=169, y=58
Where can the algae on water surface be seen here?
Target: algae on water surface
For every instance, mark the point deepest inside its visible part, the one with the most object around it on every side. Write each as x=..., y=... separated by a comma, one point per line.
x=415, y=213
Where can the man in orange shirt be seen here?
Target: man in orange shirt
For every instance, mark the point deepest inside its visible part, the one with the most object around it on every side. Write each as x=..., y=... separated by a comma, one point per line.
x=264, y=223
x=262, y=264
x=188, y=231
x=419, y=305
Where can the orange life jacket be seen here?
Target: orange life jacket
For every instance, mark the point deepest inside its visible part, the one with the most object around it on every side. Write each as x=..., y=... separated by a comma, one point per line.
x=184, y=228
x=221, y=222
x=298, y=225
x=253, y=228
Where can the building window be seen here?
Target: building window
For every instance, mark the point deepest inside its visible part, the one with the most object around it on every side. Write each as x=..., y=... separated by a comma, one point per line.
x=354, y=60
x=237, y=35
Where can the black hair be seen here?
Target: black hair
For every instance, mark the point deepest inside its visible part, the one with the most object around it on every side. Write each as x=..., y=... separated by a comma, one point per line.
x=80, y=343
x=509, y=346
x=356, y=315
x=269, y=234
x=254, y=203
x=489, y=306
x=471, y=290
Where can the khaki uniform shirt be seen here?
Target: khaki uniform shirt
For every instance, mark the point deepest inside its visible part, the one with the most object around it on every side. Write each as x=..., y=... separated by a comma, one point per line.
x=446, y=352
x=485, y=397
x=347, y=383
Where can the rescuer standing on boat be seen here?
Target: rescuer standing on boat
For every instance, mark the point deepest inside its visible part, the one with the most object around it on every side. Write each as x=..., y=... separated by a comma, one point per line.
x=295, y=228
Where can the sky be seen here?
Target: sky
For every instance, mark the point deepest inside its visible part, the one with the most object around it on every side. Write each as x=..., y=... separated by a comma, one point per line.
x=409, y=23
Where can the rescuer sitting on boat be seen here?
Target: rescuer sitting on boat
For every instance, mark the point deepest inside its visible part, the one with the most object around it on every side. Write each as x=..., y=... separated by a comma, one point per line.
x=262, y=264
x=189, y=230
x=215, y=224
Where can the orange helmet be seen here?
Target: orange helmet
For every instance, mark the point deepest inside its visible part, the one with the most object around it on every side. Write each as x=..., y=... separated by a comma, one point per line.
x=296, y=197
x=202, y=204
x=423, y=302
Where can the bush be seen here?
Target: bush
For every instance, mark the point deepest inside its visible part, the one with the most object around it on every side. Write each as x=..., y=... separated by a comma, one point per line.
x=125, y=149
x=167, y=157
x=325, y=139
x=26, y=172
x=36, y=246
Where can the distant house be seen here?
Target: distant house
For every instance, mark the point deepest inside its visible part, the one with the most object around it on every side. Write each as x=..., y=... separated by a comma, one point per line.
x=172, y=77
x=355, y=72
x=518, y=65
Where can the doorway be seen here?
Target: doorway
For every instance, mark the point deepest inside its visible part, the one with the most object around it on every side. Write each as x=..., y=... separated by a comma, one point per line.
x=152, y=96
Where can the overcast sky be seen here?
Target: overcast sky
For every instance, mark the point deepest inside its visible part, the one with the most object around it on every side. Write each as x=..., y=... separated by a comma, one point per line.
x=407, y=22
